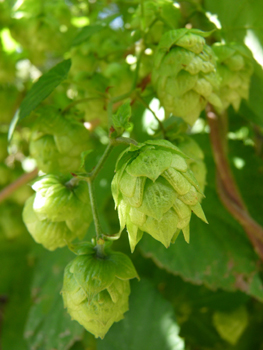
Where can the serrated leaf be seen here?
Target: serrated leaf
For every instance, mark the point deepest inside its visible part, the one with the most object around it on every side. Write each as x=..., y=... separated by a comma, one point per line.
x=148, y=325
x=40, y=90
x=49, y=326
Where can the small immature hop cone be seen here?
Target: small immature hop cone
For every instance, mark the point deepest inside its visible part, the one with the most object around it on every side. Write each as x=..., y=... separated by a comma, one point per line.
x=57, y=142
x=155, y=192
x=96, y=287
x=184, y=74
x=235, y=69
x=59, y=212
x=158, y=16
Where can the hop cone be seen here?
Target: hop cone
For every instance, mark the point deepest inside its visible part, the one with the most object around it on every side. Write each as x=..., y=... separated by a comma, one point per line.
x=195, y=161
x=184, y=74
x=235, y=69
x=93, y=108
x=96, y=287
x=155, y=192
x=57, y=142
x=59, y=212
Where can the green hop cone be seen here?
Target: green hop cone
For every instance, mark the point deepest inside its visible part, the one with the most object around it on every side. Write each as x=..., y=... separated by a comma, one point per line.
x=96, y=287
x=155, y=192
x=92, y=91
x=235, y=68
x=184, y=74
x=59, y=211
x=195, y=161
x=57, y=142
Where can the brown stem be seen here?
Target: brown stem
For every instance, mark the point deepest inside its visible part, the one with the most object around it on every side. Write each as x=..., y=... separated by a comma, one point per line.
x=227, y=188
x=22, y=180
x=217, y=140
x=252, y=228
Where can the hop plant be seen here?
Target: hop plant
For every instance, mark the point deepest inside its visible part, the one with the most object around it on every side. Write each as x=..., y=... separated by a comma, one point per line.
x=195, y=161
x=96, y=287
x=59, y=212
x=184, y=74
x=57, y=142
x=235, y=69
x=155, y=192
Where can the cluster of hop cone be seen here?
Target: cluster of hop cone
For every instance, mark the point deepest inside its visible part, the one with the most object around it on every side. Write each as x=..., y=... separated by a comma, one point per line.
x=157, y=185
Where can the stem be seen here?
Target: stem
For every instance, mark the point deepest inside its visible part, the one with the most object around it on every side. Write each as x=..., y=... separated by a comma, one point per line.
x=126, y=140
x=90, y=180
x=91, y=177
x=94, y=210
x=145, y=104
x=218, y=140
x=251, y=227
x=227, y=188
x=102, y=160
x=22, y=180
x=142, y=16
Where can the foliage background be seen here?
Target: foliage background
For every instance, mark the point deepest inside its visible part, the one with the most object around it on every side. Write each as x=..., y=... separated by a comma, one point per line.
x=205, y=295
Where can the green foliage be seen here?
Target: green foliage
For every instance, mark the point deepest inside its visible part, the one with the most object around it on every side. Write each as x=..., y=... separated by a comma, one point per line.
x=156, y=107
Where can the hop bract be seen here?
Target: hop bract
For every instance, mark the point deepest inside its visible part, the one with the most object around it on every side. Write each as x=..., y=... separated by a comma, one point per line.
x=155, y=192
x=195, y=161
x=96, y=287
x=59, y=212
x=57, y=141
x=235, y=69
x=184, y=74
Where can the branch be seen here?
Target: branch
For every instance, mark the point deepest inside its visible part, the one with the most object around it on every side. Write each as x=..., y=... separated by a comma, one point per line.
x=252, y=228
x=22, y=180
x=218, y=140
x=227, y=188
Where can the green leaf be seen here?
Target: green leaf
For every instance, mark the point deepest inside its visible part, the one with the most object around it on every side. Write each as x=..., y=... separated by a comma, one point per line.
x=218, y=249
x=231, y=325
x=233, y=16
x=121, y=118
x=86, y=33
x=49, y=326
x=40, y=90
x=148, y=325
x=15, y=278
